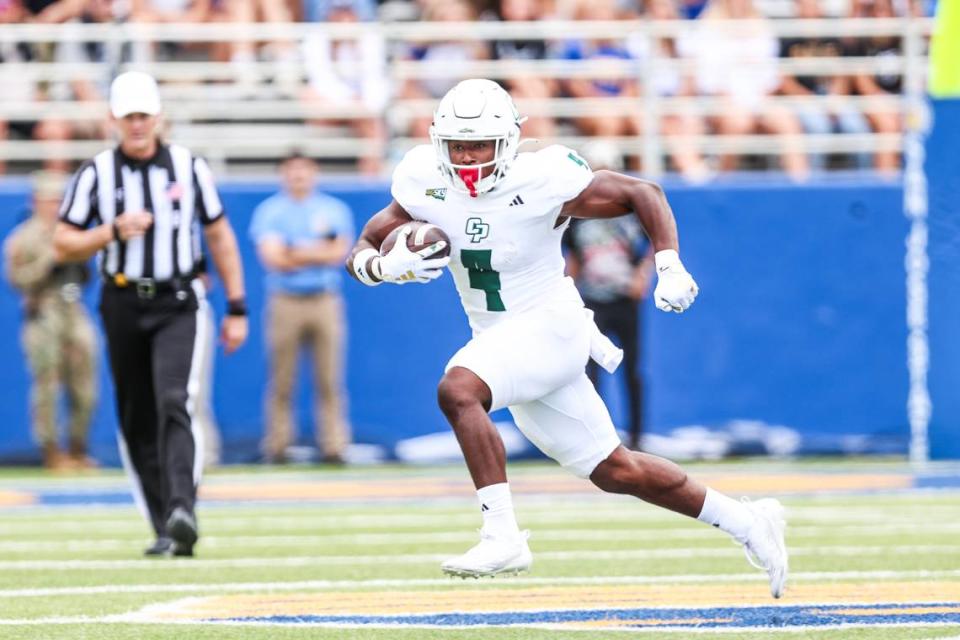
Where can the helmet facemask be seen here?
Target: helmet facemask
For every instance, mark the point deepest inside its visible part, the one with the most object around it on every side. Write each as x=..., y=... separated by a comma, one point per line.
x=476, y=110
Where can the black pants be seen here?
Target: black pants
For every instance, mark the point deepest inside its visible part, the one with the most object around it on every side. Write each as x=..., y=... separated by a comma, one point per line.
x=151, y=345
x=621, y=319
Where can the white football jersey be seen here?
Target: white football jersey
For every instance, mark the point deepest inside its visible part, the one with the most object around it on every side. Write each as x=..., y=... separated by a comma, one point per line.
x=506, y=255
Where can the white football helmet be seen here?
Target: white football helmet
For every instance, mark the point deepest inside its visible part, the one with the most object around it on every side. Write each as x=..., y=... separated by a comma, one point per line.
x=476, y=110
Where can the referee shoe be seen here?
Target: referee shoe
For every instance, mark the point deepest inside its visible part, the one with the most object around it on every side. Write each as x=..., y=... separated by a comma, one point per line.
x=182, y=527
x=163, y=546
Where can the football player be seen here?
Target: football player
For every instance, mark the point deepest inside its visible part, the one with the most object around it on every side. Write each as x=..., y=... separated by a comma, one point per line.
x=505, y=213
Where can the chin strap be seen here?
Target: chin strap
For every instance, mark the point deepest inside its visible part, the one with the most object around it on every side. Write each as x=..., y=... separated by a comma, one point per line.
x=470, y=178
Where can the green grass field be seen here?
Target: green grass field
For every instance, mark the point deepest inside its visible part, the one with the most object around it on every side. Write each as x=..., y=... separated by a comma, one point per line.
x=355, y=553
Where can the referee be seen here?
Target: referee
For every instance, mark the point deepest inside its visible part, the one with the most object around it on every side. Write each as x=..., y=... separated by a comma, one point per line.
x=141, y=206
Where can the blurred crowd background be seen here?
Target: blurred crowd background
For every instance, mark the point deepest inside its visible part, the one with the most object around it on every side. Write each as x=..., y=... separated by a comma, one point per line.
x=688, y=86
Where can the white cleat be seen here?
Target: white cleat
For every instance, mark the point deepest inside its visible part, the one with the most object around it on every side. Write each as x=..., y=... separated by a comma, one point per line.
x=492, y=556
x=764, y=546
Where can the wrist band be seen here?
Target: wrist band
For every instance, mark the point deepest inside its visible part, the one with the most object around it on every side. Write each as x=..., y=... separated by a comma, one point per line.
x=368, y=275
x=237, y=307
x=116, y=232
x=666, y=259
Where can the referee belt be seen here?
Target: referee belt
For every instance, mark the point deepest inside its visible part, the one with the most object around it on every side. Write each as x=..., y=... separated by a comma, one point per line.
x=148, y=288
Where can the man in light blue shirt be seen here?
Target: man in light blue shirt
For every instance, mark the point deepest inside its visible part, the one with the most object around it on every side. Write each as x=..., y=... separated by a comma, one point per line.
x=302, y=237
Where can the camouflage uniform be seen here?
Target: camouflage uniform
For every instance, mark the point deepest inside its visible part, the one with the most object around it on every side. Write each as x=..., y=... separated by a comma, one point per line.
x=58, y=336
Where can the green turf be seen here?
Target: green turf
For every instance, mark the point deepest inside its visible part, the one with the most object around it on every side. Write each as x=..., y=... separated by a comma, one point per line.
x=577, y=536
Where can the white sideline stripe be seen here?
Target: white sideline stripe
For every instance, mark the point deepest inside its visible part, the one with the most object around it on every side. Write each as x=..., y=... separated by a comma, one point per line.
x=690, y=531
x=61, y=620
x=233, y=542
x=321, y=560
x=383, y=583
x=634, y=512
x=376, y=540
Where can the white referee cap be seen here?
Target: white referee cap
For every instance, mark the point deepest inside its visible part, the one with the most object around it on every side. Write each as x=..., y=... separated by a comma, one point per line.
x=134, y=92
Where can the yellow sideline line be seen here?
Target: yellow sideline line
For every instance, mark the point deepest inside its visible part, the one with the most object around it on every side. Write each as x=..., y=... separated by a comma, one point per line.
x=16, y=498
x=565, y=597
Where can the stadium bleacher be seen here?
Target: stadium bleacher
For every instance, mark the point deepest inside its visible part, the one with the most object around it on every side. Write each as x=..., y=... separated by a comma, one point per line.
x=244, y=119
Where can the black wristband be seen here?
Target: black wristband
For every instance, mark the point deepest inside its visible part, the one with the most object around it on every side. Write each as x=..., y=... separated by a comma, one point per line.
x=237, y=307
x=116, y=232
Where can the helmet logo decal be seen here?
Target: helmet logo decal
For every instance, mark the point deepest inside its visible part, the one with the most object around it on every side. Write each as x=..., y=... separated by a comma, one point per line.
x=440, y=193
x=477, y=229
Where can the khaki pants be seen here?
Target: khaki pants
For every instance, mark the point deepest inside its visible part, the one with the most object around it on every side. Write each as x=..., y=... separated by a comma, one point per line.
x=316, y=321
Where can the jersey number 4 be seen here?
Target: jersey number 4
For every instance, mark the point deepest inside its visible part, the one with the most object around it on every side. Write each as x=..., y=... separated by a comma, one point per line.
x=482, y=276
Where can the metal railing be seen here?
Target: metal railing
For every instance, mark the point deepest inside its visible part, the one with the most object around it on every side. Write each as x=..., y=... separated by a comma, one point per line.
x=206, y=111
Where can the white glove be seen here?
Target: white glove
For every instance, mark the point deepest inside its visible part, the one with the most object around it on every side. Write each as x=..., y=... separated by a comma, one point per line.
x=401, y=265
x=676, y=289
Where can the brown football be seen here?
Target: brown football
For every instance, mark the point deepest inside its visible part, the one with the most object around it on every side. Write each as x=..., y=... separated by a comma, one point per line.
x=422, y=234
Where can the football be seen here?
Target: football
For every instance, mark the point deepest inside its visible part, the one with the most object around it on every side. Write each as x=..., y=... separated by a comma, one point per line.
x=422, y=235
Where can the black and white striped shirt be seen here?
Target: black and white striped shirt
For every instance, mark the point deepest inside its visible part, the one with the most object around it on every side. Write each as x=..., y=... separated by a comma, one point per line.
x=173, y=185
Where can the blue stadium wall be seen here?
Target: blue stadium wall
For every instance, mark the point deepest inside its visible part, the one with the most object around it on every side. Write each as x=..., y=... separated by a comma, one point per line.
x=800, y=323
x=943, y=175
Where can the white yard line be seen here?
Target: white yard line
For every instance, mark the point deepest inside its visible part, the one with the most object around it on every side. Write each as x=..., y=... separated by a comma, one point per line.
x=640, y=535
x=382, y=583
x=61, y=519
x=401, y=559
x=642, y=539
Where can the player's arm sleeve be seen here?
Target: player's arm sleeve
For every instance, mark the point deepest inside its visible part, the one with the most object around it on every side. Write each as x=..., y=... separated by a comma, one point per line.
x=405, y=187
x=568, y=174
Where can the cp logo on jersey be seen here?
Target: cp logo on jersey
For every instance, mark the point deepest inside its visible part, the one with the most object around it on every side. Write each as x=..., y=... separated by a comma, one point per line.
x=477, y=229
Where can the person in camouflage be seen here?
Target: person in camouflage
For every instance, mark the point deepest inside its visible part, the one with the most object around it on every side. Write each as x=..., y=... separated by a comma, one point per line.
x=58, y=335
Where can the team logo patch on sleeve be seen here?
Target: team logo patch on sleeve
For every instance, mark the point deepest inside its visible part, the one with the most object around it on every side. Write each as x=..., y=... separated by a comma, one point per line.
x=438, y=193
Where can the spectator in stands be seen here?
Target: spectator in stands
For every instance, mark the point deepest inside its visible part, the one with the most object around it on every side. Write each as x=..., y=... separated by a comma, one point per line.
x=21, y=88
x=243, y=53
x=166, y=11
x=170, y=11
x=89, y=88
x=838, y=116
x=884, y=118
x=737, y=63
x=610, y=125
x=604, y=124
x=302, y=237
x=350, y=75
x=691, y=9
x=450, y=60
x=679, y=127
x=49, y=11
x=526, y=86
x=318, y=10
